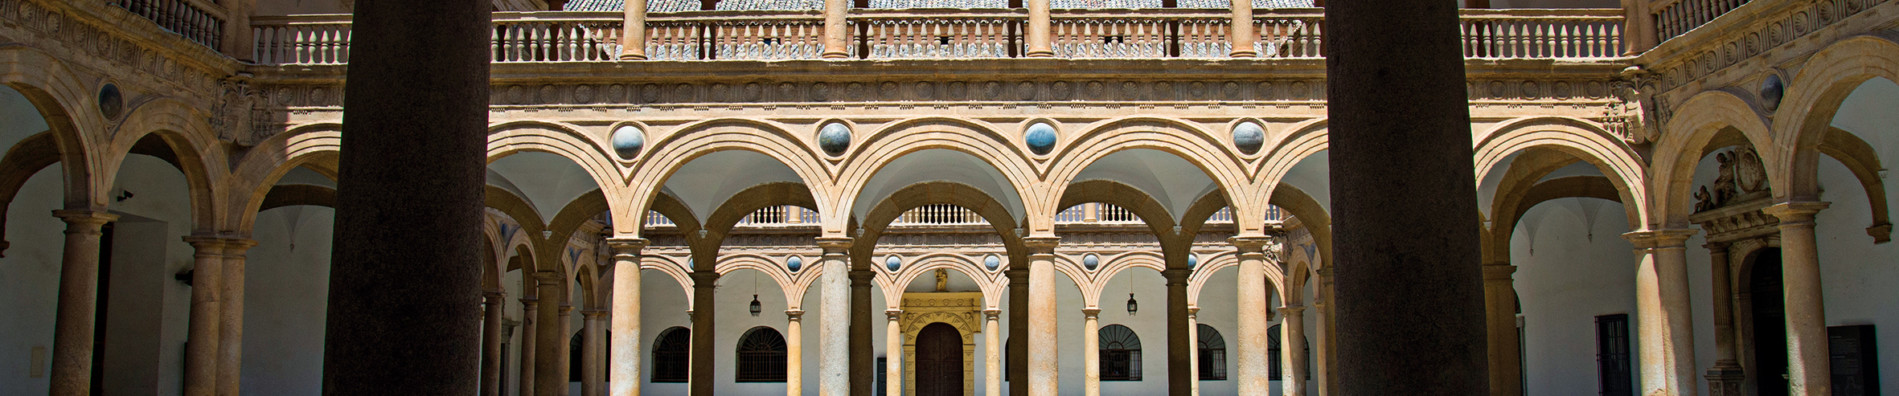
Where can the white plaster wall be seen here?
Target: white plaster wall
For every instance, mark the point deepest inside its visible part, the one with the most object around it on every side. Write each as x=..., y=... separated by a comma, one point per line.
x=1150, y=323
x=286, y=301
x=663, y=305
x=161, y=196
x=1580, y=268
x=30, y=273
x=1219, y=308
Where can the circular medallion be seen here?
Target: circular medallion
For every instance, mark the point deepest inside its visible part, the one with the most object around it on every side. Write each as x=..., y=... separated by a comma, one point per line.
x=1040, y=137
x=111, y=102
x=834, y=138
x=1091, y=261
x=1248, y=137
x=627, y=141
x=1771, y=92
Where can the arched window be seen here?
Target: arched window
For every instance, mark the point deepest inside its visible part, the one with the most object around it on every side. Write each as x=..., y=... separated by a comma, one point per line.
x=1120, y=354
x=1274, y=360
x=761, y=356
x=671, y=356
x=574, y=355
x=1212, y=354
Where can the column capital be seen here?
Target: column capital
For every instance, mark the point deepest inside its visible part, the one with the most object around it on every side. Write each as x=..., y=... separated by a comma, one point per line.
x=1176, y=276
x=1017, y=275
x=494, y=295
x=1290, y=310
x=236, y=246
x=566, y=309
x=893, y=314
x=992, y=314
x=794, y=314
x=862, y=277
x=835, y=245
x=85, y=217
x=626, y=246
x=704, y=278
x=1041, y=244
x=207, y=244
x=1090, y=313
x=1796, y=212
x=592, y=314
x=547, y=278
x=1650, y=239
x=1499, y=272
x=1193, y=312
x=1250, y=244
x=530, y=301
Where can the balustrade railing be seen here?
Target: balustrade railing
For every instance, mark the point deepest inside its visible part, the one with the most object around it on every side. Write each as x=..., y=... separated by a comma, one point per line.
x=931, y=34
x=1545, y=34
x=939, y=214
x=1673, y=18
x=197, y=20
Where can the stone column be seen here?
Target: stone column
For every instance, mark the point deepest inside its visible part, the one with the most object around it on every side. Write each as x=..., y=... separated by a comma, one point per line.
x=1091, y=351
x=237, y=31
x=231, y=317
x=992, y=352
x=405, y=266
x=591, y=362
x=624, y=367
x=552, y=341
x=566, y=327
x=1726, y=376
x=1500, y=322
x=1043, y=356
x=1193, y=338
x=862, y=356
x=794, y=352
x=1018, y=344
x=201, y=347
x=893, y=352
x=633, y=36
x=704, y=284
x=491, y=312
x=1179, y=345
x=78, y=300
x=1243, y=35
x=837, y=32
x=1808, y=372
x=530, y=334
x=835, y=315
x=1401, y=148
x=1293, y=350
x=1322, y=358
x=1038, y=38
x=1663, y=320
x=1639, y=33
x=1253, y=372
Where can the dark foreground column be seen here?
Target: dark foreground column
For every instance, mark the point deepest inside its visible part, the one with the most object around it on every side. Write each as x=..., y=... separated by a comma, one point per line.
x=405, y=271
x=1018, y=274
x=705, y=285
x=1410, y=293
x=862, y=373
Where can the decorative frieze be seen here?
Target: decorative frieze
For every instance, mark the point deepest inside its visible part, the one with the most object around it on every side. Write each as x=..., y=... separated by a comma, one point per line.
x=1768, y=33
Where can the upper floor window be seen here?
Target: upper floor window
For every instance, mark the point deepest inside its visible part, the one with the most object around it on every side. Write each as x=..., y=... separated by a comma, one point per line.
x=761, y=356
x=1120, y=354
x=671, y=356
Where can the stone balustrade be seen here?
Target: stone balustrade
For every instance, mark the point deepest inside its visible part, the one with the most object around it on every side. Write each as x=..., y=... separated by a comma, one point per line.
x=939, y=215
x=1674, y=17
x=948, y=34
x=200, y=21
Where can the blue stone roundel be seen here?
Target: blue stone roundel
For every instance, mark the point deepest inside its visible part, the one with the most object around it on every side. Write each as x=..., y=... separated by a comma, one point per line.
x=1771, y=92
x=794, y=263
x=893, y=262
x=1040, y=137
x=1091, y=261
x=992, y=262
x=627, y=141
x=1248, y=137
x=1193, y=261
x=834, y=138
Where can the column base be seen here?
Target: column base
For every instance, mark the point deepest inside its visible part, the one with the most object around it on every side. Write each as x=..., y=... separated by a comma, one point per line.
x=1725, y=379
x=632, y=57
x=835, y=55
x=1040, y=54
x=1243, y=54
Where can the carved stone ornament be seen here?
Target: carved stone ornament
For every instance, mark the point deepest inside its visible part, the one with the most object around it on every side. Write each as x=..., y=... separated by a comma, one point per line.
x=1740, y=177
x=236, y=113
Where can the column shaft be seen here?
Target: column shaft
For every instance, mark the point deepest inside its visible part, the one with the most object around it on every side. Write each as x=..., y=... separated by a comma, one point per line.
x=552, y=339
x=1808, y=370
x=834, y=315
x=1018, y=344
x=1043, y=356
x=78, y=300
x=405, y=269
x=794, y=353
x=564, y=362
x=1091, y=351
x=491, y=313
x=1322, y=360
x=1253, y=372
x=1726, y=377
x=1500, y=322
x=1663, y=320
x=624, y=366
x=591, y=359
x=231, y=317
x=992, y=353
x=1243, y=35
x=704, y=311
x=201, y=349
x=1405, y=200
x=1293, y=350
x=862, y=375
x=893, y=353
x=530, y=333
x=1179, y=346
x=633, y=37
x=1193, y=338
x=836, y=30
x=1038, y=38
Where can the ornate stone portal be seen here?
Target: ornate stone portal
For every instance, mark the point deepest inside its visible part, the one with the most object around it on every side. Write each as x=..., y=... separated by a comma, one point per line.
x=962, y=310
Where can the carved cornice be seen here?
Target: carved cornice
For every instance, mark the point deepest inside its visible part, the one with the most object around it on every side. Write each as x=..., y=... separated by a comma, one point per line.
x=1737, y=221
x=1748, y=32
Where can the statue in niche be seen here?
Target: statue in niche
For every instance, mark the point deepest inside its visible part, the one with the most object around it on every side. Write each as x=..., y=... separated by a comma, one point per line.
x=1724, y=181
x=1749, y=174
x=1703, y=200
x=942, y=279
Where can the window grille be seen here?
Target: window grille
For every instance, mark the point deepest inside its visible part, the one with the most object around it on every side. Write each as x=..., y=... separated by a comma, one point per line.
x=1120, y=354
x=671, y=356
x=1212, y=354
x=761, y=356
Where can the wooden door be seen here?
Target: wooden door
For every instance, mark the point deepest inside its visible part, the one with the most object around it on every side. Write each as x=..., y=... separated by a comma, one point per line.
x=939, y=370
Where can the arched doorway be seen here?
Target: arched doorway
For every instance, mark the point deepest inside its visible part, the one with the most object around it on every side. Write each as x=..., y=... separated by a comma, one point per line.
x=939, y=369
x=1769, y=315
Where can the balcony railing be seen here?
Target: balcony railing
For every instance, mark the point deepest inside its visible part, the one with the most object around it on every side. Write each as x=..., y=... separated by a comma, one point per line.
x=194, y=19
x=937, y=34
x=1675, y=17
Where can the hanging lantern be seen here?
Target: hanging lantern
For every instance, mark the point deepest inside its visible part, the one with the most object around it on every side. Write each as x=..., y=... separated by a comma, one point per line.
x=1133, y=306
x=755, y=305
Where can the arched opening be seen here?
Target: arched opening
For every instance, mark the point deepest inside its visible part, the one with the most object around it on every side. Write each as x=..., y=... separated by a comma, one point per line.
x=1120, y=354
x=1212, y=355
x=671, y=357
x=761, y=356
